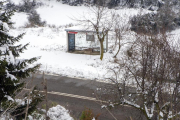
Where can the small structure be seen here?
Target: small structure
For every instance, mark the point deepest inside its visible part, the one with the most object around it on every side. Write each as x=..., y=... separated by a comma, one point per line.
x=84, y=41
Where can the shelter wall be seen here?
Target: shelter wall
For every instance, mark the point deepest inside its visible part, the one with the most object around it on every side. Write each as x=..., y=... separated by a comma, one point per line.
x=81, y=41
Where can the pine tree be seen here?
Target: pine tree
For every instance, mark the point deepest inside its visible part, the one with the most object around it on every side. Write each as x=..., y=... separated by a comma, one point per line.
x=12, y=68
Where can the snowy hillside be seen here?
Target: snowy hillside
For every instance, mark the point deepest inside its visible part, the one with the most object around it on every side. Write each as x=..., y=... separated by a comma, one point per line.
x=142, y=61
x=49, y=42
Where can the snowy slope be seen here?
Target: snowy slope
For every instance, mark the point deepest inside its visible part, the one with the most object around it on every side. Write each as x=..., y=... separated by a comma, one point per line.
x=50, y=42
x=20, y=19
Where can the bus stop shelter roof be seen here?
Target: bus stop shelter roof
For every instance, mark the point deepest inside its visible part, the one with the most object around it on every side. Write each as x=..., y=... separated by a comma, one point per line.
x=79, y=29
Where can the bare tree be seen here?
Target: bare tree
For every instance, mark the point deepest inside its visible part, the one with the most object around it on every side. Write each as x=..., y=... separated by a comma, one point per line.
x=120, y=30
x=152, y=67
x=101, y=20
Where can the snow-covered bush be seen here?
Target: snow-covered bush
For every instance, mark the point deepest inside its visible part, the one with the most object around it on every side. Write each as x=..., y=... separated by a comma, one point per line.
x=59, y=113
x=119, y=3
x=144, y=23
x=72, y=2
x=26, y=6
x=34, y=20
x=155, y=22
x=11, y=6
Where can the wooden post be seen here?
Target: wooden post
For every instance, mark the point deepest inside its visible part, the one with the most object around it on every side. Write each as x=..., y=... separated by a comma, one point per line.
x=46, y=99
x=67, y=41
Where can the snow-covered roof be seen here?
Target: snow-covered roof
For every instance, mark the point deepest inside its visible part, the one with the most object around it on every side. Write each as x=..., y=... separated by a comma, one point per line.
x=79, y=28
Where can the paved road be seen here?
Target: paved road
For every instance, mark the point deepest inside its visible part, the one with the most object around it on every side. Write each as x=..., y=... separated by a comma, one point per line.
x=76, y=95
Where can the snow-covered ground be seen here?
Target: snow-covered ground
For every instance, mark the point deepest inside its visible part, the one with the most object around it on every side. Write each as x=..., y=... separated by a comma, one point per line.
x=50, y=42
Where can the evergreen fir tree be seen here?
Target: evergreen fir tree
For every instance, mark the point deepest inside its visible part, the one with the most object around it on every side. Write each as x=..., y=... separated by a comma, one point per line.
x=12, y=68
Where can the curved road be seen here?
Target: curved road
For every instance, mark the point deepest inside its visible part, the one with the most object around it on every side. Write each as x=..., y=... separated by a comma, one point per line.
x=77, y=94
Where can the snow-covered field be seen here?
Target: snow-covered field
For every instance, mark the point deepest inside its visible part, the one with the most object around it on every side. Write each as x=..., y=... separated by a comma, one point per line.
x=50, y=42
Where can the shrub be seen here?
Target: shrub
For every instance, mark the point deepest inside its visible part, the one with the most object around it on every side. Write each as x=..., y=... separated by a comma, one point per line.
x=10, y=6
x=27, y=6
x=35, y=20
x=145, y=23
x=113, y=3
x=163, y=20
x=72, y=2
x=87, y=114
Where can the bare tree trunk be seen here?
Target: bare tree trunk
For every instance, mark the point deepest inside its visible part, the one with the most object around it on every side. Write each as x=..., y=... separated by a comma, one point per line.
x=101, y=49
x=118, y=49
x=28, y=102
x=29, y=96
